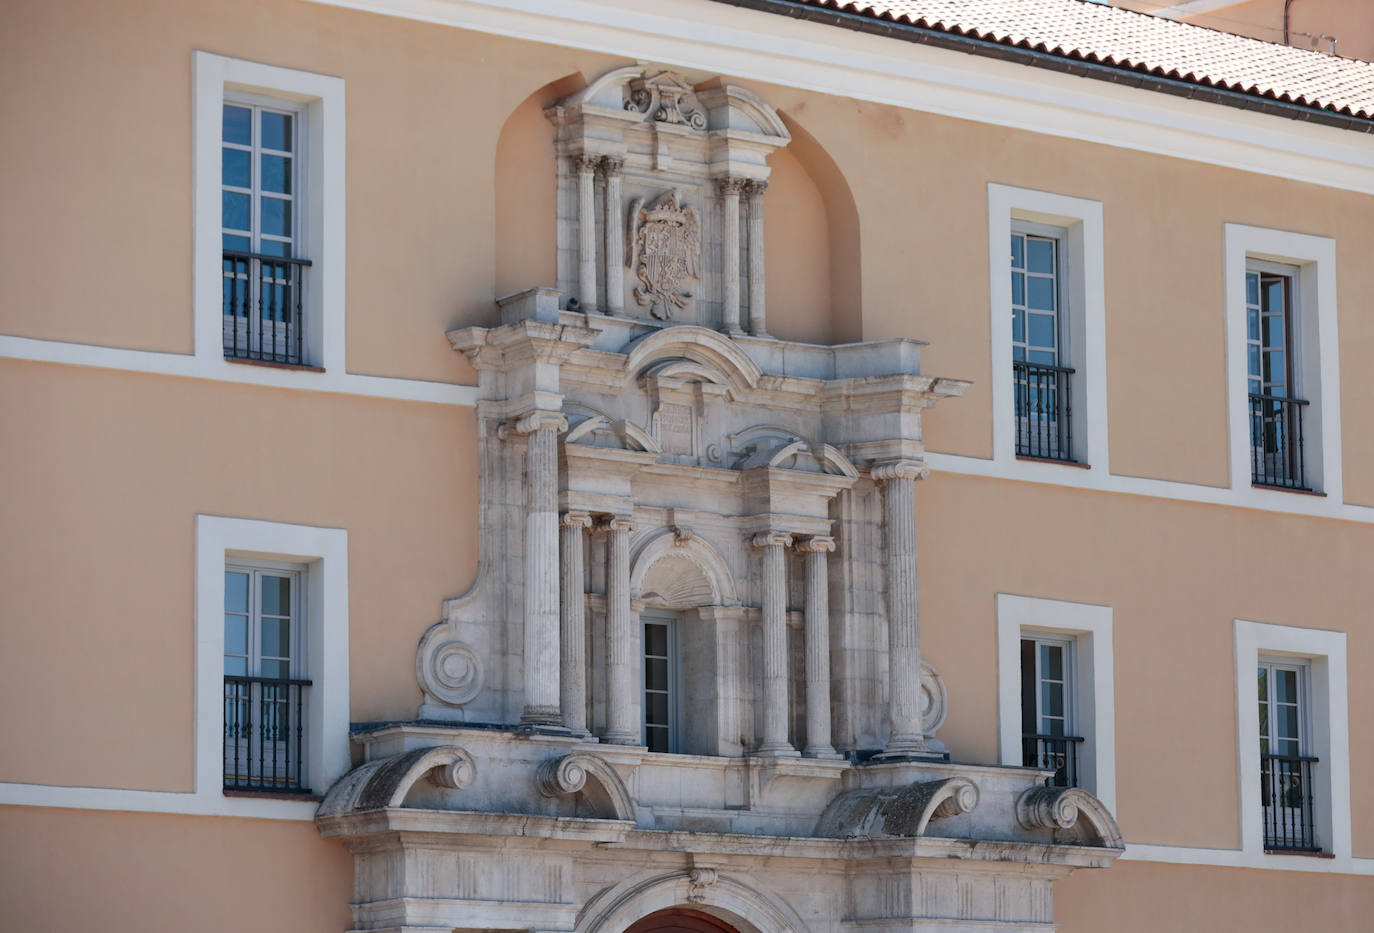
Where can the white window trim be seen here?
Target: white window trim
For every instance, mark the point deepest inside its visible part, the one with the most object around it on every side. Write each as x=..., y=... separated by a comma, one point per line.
x=1316, y=340
x=321, y=99
x=1083, y=315
x=1094, y=681
x=1328, y=736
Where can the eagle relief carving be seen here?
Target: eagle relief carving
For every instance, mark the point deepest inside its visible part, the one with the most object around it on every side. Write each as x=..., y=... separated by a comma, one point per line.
x=665, y=251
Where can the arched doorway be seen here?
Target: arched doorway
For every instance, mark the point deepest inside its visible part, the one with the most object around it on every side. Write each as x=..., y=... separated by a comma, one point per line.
x=680, y=920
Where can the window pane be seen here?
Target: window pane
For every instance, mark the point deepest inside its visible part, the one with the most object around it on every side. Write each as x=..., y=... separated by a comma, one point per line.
x=276, y=174
x=1251, y=324
x=1018, y=252
x=240, y=243
x=236, y=667
x=276, y=131
x=1041, y=330
x=1018, y=353
x=1040, y=255
x=235, y=634
x=235, y=211
x=1254, y=362
x=1287, y=747
x=1042, y=356
x=1051, y=699
x=1252, y=288
x=1286, y=686
x=276, y=216
x=280, y=669
x=276, y=595
x=1264, y=720
x=1018, y=326
x=656, y=640
x=655, y=674
x=276, y=638
x=1288, y=722
x=238, y=125
x=1263, y=683
x=237, y=168
x=1028, y=723
x=1040, y=294
x=1274, y=369
x=1273, y=331
x=1273, y=294
x=235, y=592
x=1018, y=288
x=1055, y=727
x=657, y=706
x=656, y=738
x=1052, y=662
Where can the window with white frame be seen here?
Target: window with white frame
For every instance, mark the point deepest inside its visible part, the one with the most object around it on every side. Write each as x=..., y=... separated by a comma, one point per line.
x=1277, y=413
x=269, y=224
x=1049, y=736
x=1287, y=789
x=1047, y=299
x=1055, y=696
x=1283, y=362
x=266, y=694
x=662, y=695
x=262, y=220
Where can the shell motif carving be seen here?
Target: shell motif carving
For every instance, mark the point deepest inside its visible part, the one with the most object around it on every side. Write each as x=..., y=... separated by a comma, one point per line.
x=450, y=671
x=934, y=699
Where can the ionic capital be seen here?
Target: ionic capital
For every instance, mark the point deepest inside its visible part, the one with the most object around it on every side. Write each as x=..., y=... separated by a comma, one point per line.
x=611, y=165
x=612, y=523
x=767, y=539
x=575, y=519
x=900, y=469
x=585, y=163
x=727, y=185
x=535, y=421
x=816, y=544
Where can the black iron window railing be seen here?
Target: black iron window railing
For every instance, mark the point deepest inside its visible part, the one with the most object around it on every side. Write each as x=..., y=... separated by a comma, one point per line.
x=1286, y=792
x=1044, y=410
x=263, y=300
x=1277, y=457
x=1059, y=752
x=264, y=728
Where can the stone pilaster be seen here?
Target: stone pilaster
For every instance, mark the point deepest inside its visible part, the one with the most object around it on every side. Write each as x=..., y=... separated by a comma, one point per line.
x=585, y=165
x=818, y=646
x=622, y=638
x=612, y=168
x=898, y=478
x=729, y=188
x=757, y=324
x=542, y=653
x=775, y=741
x=573, y=676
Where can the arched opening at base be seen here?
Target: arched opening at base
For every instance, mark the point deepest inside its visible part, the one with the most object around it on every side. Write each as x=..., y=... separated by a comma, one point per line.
x=680, y=920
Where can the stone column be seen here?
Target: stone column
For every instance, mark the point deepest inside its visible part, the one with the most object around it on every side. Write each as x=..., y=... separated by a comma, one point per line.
x=622, y=638
x=612, y=167
x=729, y=188
x=774, y=643
x=818, y=646
x=542, y=653
x=573, y=676
x=585, y=165
x=903, y=623
x=757, y=326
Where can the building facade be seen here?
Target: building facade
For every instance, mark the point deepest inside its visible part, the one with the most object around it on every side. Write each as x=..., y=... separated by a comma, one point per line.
x=683, y=465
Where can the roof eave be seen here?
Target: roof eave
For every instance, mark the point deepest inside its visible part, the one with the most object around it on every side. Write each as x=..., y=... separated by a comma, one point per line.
x=1079, y=67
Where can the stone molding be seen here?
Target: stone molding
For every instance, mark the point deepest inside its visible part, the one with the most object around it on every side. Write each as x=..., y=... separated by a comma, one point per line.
x=570, y=774
x=881, y=812
x=1069, y=808
x=386, y=782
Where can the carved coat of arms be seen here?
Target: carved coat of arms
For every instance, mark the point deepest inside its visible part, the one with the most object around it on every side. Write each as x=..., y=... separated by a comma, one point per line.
x=665, y=251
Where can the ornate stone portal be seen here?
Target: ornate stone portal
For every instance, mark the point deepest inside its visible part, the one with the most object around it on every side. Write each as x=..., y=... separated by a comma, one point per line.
x=640, y=453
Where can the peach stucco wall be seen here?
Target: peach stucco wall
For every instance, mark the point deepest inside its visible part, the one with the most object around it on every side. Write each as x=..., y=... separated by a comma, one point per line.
x=153, y=873
x=104, y=475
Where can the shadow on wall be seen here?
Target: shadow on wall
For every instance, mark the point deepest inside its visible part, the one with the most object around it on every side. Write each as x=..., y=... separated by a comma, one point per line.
x=811, y=225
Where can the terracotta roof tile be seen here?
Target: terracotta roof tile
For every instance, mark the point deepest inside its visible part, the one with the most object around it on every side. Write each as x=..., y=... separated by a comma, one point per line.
x=1138, y=42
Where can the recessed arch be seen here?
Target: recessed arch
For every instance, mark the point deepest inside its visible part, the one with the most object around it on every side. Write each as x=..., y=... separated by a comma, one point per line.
x=699, y=345
x=711, y=585
x=730, y=898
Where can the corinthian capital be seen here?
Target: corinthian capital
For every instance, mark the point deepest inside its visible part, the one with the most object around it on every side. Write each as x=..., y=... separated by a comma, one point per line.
x=755, y=188
x=730, y=184
x=611, y=165
x=585, y=163
x=900, y=469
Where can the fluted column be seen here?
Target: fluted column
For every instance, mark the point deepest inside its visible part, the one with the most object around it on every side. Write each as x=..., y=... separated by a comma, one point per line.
x=612, y=168
x=585, y=164
x=622, y=638
x=772, y=544
x=729, y=189
x=903, y=623
x=757, y=326
x=818, y=646
x=542, y=653
x=573, y=676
